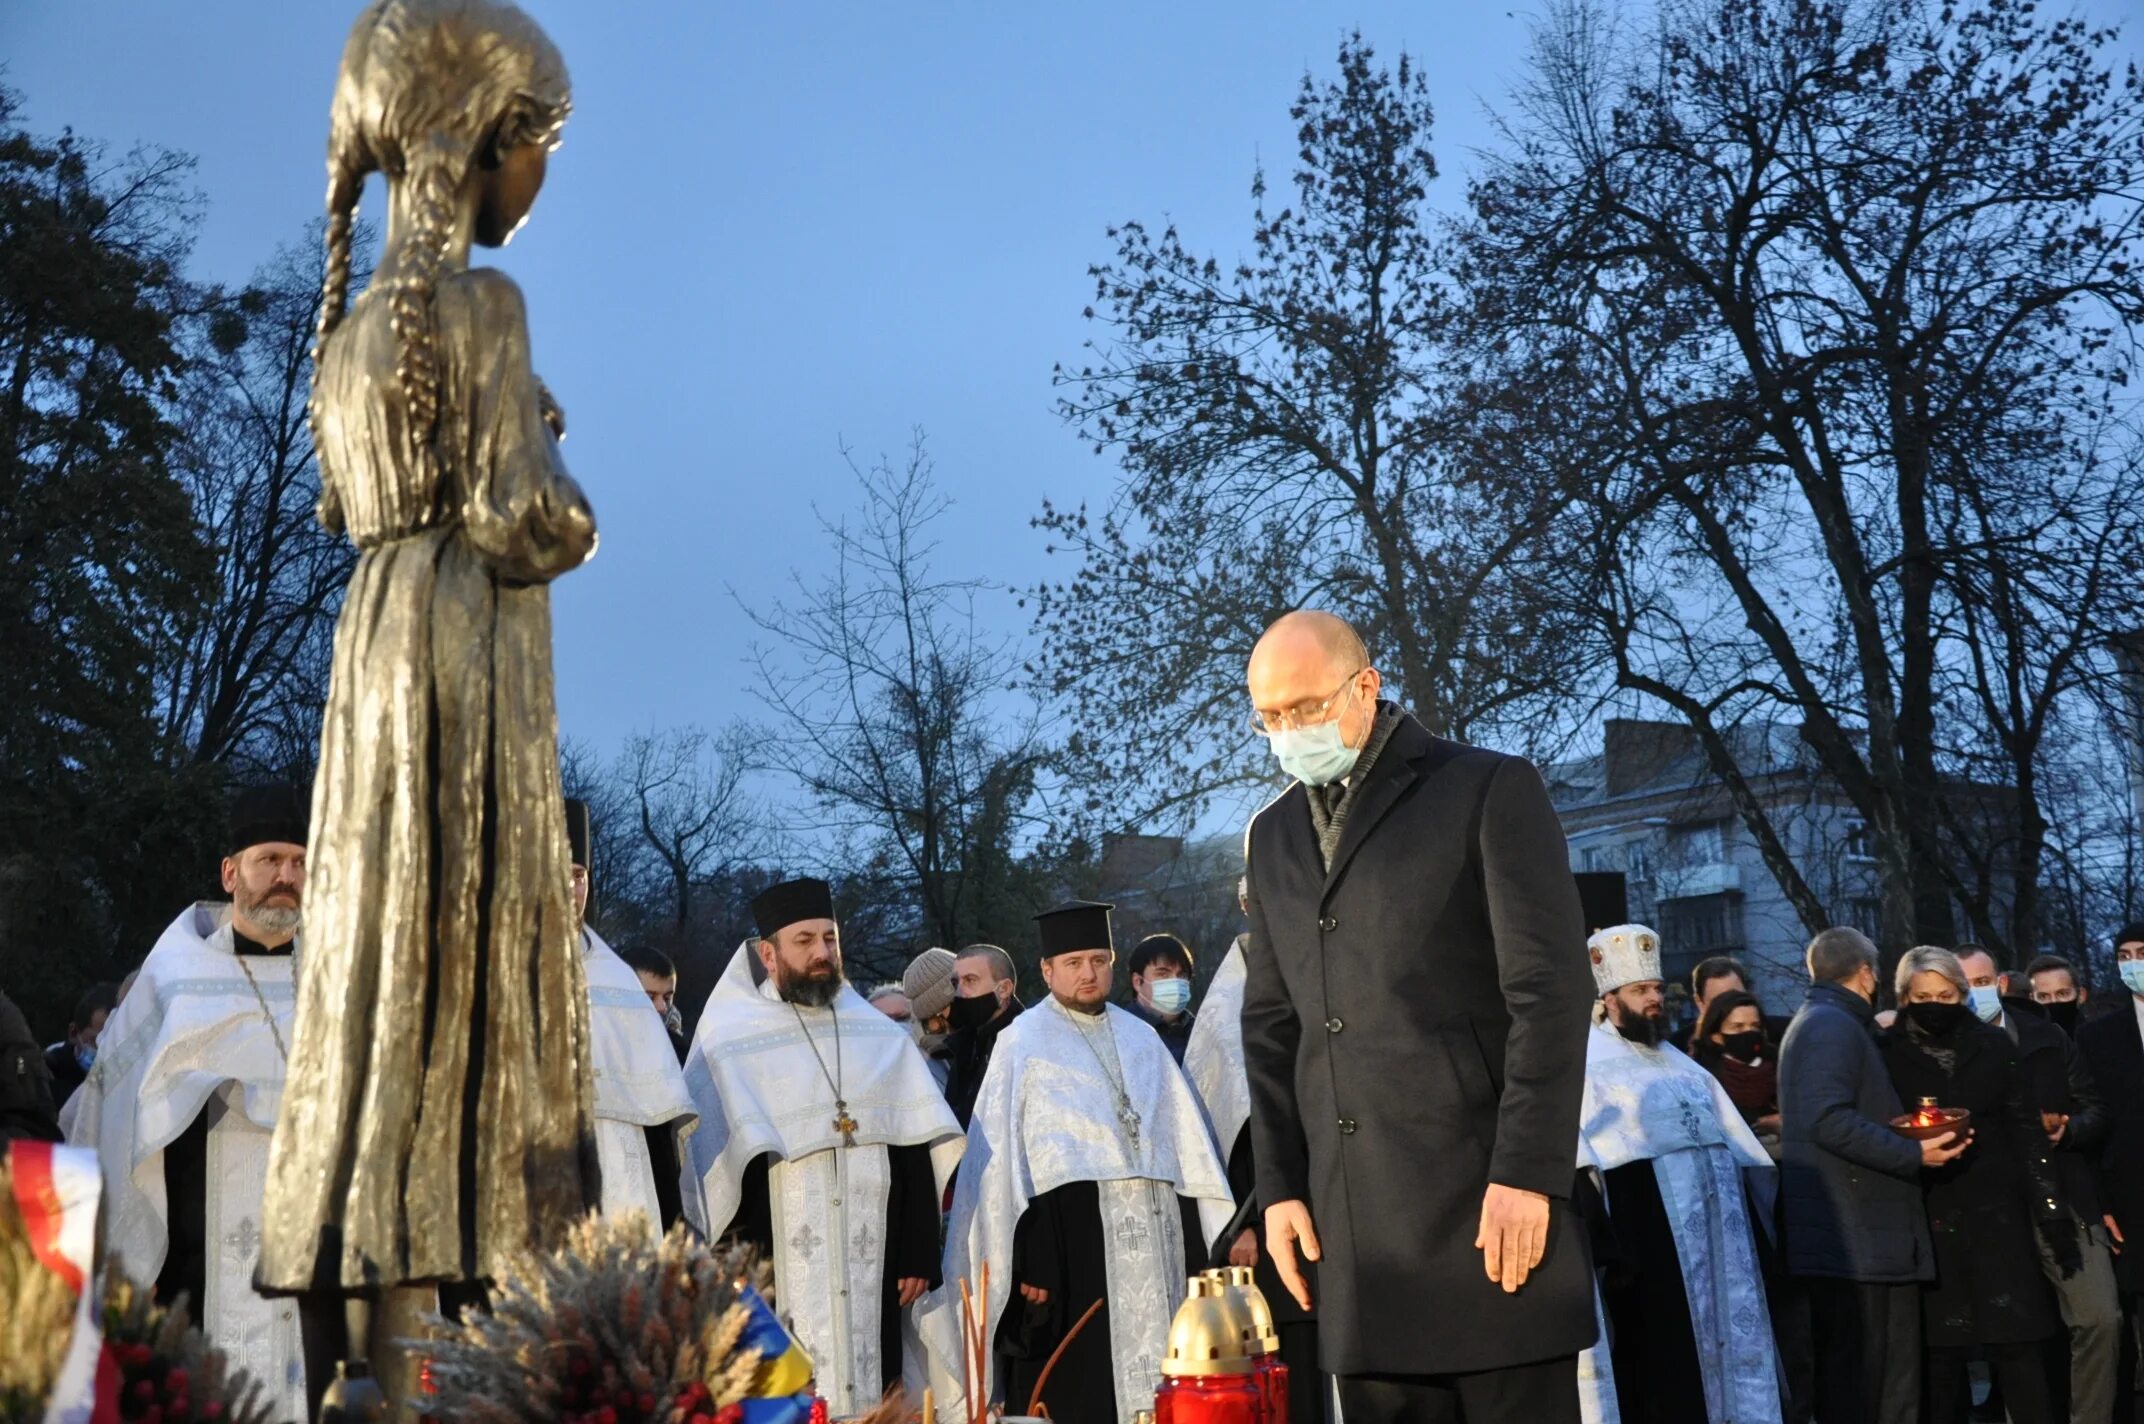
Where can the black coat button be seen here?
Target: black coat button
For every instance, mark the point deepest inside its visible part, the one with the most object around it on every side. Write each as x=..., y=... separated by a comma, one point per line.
x=1328, y=924
x=1347, y=1127
x=1334, y=1025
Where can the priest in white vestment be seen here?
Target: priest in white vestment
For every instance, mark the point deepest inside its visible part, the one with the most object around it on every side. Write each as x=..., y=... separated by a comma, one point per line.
x=1090, y=1176
x=824, y=1140
x=183, y=1097
x=643, y=1114
x=1688, y=1328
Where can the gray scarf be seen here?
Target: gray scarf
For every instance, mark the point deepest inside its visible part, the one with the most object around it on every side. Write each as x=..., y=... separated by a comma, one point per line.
x=1331, y=805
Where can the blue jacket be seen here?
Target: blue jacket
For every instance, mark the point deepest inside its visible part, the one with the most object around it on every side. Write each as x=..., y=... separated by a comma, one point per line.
x=1849, y=1187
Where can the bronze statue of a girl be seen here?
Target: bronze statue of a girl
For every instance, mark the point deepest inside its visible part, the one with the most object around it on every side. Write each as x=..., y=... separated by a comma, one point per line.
x=438, y=1107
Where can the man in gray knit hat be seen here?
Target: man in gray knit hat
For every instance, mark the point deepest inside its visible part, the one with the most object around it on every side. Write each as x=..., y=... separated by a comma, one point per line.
x=928, y=982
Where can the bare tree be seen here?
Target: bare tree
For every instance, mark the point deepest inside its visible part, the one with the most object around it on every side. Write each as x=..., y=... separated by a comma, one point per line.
x=896, y=714
x=684, y=789
x=1844, y=292
x=1292, y=433
x=245, y=671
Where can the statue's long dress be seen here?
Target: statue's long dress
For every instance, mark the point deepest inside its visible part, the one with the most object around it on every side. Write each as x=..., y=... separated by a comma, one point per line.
x=439, y=1106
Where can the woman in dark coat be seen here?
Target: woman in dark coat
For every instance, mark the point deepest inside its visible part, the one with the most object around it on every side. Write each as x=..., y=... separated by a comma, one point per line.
x=1988, y=1294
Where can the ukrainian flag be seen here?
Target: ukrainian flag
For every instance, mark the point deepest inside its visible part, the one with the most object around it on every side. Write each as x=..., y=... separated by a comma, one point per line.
x=782, y=1393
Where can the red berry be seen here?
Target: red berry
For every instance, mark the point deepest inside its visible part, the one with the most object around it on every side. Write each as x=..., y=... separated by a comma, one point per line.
x=212, y=1410
x=645, y=1403
x=606, y=1415
x=175, y=1382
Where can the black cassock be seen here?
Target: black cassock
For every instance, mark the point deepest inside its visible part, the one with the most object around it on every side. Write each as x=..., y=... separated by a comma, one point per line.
x=185, y=1269
x=912, y=1236
x=1058, y=1246
x=1658, y=1379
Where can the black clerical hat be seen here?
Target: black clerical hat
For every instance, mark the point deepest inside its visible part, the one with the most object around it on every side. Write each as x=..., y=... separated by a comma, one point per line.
x=579, y=830
x=1076, y=924
x=1603, y=899
x=260, y=814
x=785, y=904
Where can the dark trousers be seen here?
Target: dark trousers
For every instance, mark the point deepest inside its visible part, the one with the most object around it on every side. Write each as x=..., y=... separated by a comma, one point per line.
x=1543, y=1393
x=2020, y=1372
x=1865, y=1349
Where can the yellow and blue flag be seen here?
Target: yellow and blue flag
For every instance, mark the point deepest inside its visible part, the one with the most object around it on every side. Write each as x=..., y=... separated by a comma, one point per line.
x=782, y=1393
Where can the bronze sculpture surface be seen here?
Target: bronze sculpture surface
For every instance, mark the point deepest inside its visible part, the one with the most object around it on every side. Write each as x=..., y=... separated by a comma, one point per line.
x=438, y=1111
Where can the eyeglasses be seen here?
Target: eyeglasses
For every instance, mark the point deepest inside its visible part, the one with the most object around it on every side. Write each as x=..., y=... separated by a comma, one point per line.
x=1303, y=714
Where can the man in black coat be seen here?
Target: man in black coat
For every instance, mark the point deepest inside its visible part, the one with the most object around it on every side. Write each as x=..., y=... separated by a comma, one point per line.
x=984, y=1006
x=1853, y=1230
x=1414, y=1030
x=2074, y=1122
x=2113, y=1049
x=26, y=1109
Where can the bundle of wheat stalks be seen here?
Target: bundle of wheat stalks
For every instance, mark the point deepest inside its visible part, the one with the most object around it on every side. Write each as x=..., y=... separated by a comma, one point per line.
x=616, y=1326
x=167, y=1374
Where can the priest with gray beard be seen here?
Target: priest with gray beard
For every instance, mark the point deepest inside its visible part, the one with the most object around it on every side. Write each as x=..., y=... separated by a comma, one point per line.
x=183, y=1097
x=825, y=1142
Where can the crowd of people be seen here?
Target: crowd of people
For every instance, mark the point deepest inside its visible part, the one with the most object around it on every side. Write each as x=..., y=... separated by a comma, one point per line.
x=1923, y=1176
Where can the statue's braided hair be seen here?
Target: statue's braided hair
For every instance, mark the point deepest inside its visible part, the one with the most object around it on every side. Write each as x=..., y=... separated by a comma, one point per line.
x=427, y=88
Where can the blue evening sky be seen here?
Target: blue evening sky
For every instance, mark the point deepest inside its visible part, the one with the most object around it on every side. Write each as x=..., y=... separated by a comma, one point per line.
x=773, y=228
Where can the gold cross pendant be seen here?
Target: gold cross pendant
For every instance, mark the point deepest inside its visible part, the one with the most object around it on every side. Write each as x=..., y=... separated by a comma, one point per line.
x=844, y=1124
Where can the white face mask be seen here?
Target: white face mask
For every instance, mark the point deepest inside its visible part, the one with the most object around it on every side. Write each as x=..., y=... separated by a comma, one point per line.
x=1171, y=996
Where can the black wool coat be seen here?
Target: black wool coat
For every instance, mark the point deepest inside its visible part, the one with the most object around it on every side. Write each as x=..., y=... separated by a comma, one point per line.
x=2114, y=1052
x=1983, y=1205
x=1414, y=1028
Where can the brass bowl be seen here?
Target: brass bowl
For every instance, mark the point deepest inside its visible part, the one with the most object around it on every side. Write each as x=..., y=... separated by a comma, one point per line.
x=1947, y=1120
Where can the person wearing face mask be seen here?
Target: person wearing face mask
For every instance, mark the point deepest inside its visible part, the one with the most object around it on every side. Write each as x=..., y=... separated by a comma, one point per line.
x=184, y=1093
x=984, y=1006
x=69, y=1060
x=1160, y=967
x=1669, y=1155
x=1729, y=1044
x=2112, y=1044
x=2074, y=1121
x=2058, y=992
x=1853, y=1230
x=1414, y=1030
x=657, y=974
x=1987, y=1207
x=928, y=983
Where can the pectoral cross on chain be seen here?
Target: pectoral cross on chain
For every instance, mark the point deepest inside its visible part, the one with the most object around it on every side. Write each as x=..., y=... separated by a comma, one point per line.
x=1129, y=1116
x=844, y=1124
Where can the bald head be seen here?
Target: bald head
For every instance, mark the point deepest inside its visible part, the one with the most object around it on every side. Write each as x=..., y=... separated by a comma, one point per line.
x=1311, y=635
x=1302, y=669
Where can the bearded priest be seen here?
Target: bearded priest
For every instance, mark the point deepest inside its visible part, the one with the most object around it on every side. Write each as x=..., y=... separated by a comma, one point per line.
x=1091, y=1176
x=824, y=1141
x=183, y=1097
x=1671, y=1157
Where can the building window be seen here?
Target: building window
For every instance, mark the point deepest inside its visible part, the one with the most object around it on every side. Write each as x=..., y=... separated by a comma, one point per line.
x=1859, y=844
x=1596, y=858
x=1698, y=844
x=1641, y=863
